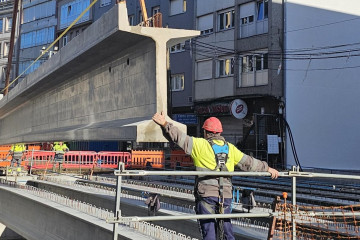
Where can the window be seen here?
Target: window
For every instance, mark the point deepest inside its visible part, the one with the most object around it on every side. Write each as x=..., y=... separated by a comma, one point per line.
x=24, y=65
x=6, y=49
x=204, y=69
x=131, y=20
x=256, y=62
x=155, y=10
x=177, y=7
x=37, y=38
x=65, y=40
x=225, y=67
x=226, y=20
x=205, y=24
x=253, y=18
x=104, y=3
x=8, y=24
x=180, y=47
x=1, y=25
x=70, y=11
x=262, y=10
x=39, y=11
x=140, y=17
x=248, y=19
x=177, y=82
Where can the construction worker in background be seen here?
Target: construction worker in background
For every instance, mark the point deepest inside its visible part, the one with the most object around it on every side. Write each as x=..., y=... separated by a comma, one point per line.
x=16, y=151
x=60, y=148
x=213, y=153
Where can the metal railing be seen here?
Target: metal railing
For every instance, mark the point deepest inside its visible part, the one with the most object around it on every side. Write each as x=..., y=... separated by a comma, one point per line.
x=294, y=173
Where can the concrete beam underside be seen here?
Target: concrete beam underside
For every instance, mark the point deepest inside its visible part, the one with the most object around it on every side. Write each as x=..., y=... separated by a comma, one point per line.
x=104, y=85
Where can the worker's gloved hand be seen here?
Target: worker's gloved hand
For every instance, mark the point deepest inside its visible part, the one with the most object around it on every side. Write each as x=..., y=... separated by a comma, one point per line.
x=274, y=173
x=159, y=118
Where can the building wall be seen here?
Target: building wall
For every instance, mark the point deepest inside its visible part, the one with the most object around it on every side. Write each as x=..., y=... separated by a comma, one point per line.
x=321, y=94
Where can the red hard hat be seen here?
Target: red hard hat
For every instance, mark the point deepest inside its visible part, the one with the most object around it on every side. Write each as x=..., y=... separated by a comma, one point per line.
x=213, y=124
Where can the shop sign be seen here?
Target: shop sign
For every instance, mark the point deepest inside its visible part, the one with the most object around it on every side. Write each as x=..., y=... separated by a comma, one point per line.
x=186, y=118
x=213, y=109
x=238, y=108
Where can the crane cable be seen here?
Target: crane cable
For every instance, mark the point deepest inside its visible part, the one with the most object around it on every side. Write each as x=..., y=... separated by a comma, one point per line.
x=53, y=43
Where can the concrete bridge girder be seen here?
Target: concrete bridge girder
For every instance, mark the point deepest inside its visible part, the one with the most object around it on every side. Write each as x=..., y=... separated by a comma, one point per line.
x=103, y=85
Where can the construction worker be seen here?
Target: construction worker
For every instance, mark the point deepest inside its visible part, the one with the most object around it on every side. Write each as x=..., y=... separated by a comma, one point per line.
x=60, y=148
x=16, y=151
x=213, y=153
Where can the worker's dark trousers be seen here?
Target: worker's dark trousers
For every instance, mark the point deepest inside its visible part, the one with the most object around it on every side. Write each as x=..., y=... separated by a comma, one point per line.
x=208, y=226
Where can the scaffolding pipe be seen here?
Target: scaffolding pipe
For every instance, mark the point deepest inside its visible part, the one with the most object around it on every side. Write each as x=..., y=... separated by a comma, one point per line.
x=236, y=173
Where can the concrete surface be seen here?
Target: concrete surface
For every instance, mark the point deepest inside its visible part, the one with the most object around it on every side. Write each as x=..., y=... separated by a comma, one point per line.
x=103, y=85
x=36, y=218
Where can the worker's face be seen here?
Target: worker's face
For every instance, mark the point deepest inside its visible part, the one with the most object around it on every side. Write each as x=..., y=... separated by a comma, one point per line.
x=60, y=143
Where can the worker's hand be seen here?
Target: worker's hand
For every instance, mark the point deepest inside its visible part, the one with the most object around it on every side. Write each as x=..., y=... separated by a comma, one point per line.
x=274, y=173
x=159, y=118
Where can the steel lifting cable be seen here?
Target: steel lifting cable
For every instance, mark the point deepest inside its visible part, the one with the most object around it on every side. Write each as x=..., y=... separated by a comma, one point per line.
x=53, y=43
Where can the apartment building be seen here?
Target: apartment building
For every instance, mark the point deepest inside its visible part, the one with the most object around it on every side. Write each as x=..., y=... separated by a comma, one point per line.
x=236, y=79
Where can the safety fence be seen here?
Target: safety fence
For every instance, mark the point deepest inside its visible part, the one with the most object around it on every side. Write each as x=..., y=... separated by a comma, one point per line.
x=288, y=220
x=136, y=159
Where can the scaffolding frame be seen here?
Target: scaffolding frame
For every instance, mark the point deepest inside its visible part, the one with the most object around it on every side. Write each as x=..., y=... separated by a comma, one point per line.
x=293, y=173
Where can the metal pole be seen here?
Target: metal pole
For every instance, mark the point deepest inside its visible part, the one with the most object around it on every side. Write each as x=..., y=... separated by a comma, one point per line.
x=293, y=196
x=11, y=49
x=117, y=210
x=31, y=162
x=79, y=162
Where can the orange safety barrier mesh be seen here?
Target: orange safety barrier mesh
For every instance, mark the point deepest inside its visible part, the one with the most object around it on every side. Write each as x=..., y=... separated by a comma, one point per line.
x=74, y=159
x=112, y=159
x=178, y=158
x=39, y=159
x=141, y=159
x=316, y=222
x=33, y=147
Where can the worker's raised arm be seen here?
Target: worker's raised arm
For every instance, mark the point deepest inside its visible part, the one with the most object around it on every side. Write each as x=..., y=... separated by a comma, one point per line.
x=175, y=134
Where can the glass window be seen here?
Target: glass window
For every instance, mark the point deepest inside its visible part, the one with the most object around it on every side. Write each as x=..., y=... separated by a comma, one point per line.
x=177, y=82
x=37, y=38
x=205, y=24
x=256, y=62
x=226, y=20
x=9, y=24
x=177, y=7
x=155, y=10
x=1, y=25
x=262, y=10
x=70, y=11
x=180, y=47
x=226, y=67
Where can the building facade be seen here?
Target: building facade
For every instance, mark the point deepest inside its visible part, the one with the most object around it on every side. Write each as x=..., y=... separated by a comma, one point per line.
x=37, y=32
x=236, y=73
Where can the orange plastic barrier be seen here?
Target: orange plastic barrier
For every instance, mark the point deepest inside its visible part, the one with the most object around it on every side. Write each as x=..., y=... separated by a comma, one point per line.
x=77, y=159
x=112, y=159
x=178, y=158
x=141, y=159
x=39, y=159
x=34, y=147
